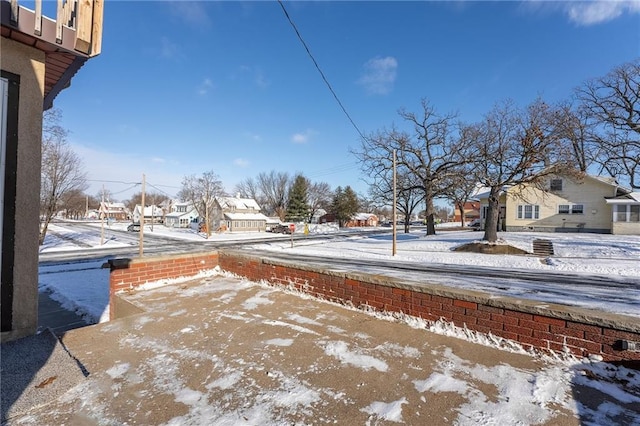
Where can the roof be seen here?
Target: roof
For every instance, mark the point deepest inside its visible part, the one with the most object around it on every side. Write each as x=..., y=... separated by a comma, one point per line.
x=628, y=198
x=238, y=203
x=363, y=216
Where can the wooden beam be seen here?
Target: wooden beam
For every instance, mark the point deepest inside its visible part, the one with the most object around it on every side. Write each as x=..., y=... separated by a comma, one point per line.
x=84, y=26
x=96, y=35
x=14, y=12
x=59, y=22
x=38, y=19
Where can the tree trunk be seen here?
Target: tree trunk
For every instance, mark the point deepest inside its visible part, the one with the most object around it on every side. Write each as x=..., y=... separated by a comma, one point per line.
x=431, y=225
x=462, y=218
x=491, y=221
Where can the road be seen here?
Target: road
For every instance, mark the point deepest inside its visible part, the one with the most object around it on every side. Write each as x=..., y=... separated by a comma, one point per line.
x=617, y=293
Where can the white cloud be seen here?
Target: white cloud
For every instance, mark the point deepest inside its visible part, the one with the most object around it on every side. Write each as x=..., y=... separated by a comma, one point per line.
x=168, y=49
x=590, y=12
x=241, y=162
x=192, y=13
x=599, y=11
x=205, y=86
x=302, y=138
x=379, y=75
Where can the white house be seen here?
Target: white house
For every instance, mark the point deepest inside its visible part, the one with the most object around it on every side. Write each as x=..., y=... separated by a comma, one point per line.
x=152, y=214
x=182, y=214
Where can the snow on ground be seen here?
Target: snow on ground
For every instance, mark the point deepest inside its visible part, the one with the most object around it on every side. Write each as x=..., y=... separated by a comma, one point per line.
x=525, y=397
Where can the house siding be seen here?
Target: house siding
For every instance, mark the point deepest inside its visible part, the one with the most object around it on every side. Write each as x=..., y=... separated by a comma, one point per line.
x=625, y=228
x=590, y=193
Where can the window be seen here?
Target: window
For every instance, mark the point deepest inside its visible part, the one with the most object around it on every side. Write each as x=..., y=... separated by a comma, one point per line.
x=556, y=185
x=577, y=209
x=635, y=214
x=620, y=213
x=570, y=209
x=528, y=211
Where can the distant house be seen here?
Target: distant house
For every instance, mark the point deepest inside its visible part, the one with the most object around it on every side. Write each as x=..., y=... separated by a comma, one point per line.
x=116, y=211
x=235, y=214
x=362, y=220
x=625, y=213
x=181, y=216
x=471, y=211
x=566, y=205
x=152, y=214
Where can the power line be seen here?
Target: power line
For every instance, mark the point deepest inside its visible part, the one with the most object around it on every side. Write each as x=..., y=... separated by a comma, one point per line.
x=319, y=70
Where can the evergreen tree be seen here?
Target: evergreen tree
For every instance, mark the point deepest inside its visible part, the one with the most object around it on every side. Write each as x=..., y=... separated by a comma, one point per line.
x=345, y=204
x=298, y=206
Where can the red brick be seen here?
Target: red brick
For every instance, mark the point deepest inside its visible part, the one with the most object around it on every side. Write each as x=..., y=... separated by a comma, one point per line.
x=454, y=309
x=490, y=309
x=493, y=325
x=519, y=315
x=479, y=314
x=521, y=331
x=548, y=320
x=534, y=325
x=504, y=319
x=443, y=300
x=465, y=319
x=572, y=332
x=465, y=304
x=590, y=347
x=619, y=334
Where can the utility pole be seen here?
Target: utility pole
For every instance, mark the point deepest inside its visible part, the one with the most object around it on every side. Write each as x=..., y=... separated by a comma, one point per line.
x=141, y=232
x=102, y=213
x=393, y=247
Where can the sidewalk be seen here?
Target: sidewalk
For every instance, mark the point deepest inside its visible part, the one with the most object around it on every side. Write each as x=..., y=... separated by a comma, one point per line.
x=225, y=351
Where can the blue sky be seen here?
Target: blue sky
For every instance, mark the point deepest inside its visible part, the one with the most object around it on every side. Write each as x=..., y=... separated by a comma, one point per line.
x=182, y=88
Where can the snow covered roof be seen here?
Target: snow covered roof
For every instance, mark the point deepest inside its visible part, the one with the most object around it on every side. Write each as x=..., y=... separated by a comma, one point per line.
x=629, y=198
x=238, y=203
x=362, y=216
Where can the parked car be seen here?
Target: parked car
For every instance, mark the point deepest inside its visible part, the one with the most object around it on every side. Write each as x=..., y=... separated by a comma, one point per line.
x=134, y=227
x=475, y=224
x=281, y=229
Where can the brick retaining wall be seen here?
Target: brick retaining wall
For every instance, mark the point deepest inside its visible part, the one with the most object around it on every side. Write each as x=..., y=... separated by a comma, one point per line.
x=531, y=323
x=127, y=274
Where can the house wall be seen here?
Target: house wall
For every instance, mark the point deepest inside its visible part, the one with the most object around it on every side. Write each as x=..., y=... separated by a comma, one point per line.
x=29, y=64
x=590, y=193
x=625, y=228
x=548, y=328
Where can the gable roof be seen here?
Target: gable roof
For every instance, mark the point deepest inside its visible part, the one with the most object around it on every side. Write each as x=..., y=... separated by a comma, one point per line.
x=238, y=203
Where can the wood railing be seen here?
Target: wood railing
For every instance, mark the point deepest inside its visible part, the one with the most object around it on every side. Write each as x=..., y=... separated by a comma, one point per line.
x=84, y=17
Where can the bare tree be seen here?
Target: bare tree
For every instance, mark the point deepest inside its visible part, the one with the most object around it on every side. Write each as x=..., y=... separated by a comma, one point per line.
x=62, y=170
x=431, y=153
x=274, y=187
x=249, y=188
x=151, y=198
x=613, y=103
x=575, y=126
x=409, y=196
x=516, y=147
x=461, y=188
x=319, y=196
x=74, y=203
x=201, y=191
